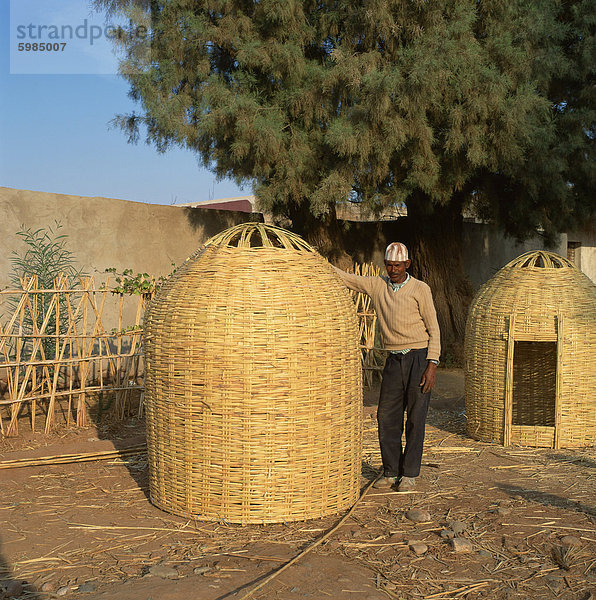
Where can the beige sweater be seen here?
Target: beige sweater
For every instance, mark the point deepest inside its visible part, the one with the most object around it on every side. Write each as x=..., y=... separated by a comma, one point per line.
x=407, y=318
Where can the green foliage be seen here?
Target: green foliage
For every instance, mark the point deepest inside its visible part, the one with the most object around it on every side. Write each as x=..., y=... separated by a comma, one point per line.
x=140, y=284
x=46, y=257
x=487, y=103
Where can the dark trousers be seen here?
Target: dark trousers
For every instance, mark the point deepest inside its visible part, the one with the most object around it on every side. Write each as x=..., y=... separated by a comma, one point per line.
x=401, y=393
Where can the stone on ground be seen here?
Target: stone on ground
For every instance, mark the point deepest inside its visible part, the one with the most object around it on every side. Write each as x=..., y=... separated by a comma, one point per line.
x=14, y=589
x=418, y=515
x=460, y=545
x=418, y=548
x=163, y=572
x=457, y=527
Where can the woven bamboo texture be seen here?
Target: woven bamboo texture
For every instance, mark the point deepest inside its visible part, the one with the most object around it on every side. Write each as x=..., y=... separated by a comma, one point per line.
x=373, y=354
x=253, y=390
x=530, y=364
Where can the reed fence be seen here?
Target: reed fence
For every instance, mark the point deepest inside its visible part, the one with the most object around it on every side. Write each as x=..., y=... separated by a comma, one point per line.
x=56, y=354
x=370, y=346
x=60, y=356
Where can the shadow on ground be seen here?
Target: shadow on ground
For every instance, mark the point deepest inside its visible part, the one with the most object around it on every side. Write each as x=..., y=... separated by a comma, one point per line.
x=117, y=434
x=547, y=499
x=11, y=587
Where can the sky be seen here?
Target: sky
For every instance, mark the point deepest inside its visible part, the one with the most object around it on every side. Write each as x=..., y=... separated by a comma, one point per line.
x=55, y=113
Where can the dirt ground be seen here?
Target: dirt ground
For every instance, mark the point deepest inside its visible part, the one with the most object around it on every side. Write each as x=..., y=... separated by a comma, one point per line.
x=88, y=530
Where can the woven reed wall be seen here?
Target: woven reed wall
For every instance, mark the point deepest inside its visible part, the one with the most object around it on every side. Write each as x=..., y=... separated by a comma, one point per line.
x=254, y=383
x=530, y=364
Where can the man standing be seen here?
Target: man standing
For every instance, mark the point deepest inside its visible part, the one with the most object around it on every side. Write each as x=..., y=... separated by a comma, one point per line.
x=410, y=331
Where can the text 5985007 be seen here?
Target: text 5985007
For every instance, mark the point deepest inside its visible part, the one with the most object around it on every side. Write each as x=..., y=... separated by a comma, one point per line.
x=41, y=46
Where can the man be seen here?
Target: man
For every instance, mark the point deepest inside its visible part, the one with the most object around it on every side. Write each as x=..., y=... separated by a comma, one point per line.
x=410, y=331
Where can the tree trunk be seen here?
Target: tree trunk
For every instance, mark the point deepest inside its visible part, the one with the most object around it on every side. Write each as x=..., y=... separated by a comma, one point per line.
x=436, y=253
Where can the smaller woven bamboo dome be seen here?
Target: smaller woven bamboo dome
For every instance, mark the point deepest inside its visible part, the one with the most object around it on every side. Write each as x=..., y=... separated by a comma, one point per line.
x=253, y=389
x=530, y=360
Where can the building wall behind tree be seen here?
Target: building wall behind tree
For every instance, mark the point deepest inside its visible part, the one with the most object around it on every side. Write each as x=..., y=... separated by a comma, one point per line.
x=486, y=250
x=581, y=249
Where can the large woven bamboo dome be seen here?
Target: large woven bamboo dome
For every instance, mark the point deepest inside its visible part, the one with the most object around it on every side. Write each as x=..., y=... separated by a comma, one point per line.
x=530, y=361
x=253, y=386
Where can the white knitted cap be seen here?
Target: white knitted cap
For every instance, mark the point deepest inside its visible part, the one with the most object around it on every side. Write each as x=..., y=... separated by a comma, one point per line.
x=396, y=252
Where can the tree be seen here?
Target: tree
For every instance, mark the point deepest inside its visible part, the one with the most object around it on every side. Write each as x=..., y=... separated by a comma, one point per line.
x=445, y=105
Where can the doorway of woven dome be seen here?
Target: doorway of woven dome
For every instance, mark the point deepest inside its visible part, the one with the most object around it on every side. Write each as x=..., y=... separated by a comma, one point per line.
x=532, y=389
